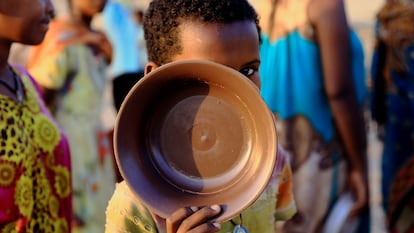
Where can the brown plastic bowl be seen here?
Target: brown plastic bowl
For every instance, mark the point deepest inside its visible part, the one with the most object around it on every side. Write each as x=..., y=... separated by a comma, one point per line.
x=195, y=133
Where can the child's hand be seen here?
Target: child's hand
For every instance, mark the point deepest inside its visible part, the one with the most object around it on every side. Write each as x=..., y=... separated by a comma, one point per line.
x=194, y=220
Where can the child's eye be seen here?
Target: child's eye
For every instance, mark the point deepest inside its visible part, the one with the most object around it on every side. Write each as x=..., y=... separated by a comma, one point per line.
x=248, y=71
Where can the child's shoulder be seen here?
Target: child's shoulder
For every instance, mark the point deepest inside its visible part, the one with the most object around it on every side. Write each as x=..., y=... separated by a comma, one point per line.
x=123, y=192
x=126, y=212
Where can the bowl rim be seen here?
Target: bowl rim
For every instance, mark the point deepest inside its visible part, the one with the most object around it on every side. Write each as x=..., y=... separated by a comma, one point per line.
x=152, y=191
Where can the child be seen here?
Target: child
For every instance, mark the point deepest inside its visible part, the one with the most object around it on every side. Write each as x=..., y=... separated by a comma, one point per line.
x=226, y=32
x=35, y=182
x=70, y=66
x=129, y=58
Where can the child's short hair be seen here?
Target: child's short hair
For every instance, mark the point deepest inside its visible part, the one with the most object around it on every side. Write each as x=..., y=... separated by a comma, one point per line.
x=163, y=17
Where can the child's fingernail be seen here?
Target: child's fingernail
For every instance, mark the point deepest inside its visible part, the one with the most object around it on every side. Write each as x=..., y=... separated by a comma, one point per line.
x=194, y=208
x=215, y=207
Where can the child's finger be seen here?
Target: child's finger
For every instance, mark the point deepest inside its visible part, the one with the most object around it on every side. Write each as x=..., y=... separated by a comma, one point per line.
x=193, y=219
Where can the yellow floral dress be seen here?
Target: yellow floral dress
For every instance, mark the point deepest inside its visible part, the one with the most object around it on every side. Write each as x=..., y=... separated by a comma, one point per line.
x=35, y=182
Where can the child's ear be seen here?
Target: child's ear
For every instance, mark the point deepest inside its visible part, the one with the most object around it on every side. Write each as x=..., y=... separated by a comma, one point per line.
x=150, y=66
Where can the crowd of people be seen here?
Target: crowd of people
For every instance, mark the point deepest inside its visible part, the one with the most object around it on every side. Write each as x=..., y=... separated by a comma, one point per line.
x=61, y=90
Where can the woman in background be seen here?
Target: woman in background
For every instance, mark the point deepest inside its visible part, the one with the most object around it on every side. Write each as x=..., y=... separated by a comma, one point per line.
x=35, y=181
x=313, y=79
x=392, y=108
x=70, y=66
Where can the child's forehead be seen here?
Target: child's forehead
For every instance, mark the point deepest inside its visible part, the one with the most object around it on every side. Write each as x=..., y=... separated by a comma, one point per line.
x=224, y=43
x=196, y=26
x=202, y=30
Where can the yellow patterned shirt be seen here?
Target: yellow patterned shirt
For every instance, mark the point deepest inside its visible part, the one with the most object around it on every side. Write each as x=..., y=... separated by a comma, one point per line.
x=126, y=214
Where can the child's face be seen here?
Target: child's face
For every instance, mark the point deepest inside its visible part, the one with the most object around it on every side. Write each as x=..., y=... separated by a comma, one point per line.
x=89, y=7
x=25, y=21
x=235, y=45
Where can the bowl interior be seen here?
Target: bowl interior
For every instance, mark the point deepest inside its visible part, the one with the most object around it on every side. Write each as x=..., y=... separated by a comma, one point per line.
x=195, y=133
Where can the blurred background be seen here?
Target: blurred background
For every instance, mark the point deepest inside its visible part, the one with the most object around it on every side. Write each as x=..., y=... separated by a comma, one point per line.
x=361, y=17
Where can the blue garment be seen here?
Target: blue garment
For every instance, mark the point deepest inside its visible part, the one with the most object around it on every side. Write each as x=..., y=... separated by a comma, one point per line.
x=392, y=106
x=292, y=83
x=399, y=123
x=293, y=87
x=124, y=33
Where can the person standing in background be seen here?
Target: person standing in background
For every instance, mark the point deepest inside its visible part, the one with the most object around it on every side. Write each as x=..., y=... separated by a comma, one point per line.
x=313, y=79
x=129, y=53
x=392, y=107
x=70, y=65
x=129, y=56
x=35, y=169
